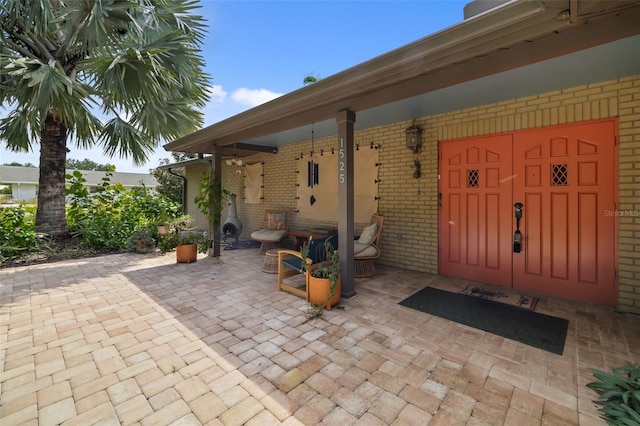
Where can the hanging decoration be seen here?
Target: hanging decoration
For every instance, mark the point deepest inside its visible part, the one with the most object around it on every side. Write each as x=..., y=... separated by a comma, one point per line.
x=235, y=161
x=254, y=183
x=322, y=188
x=312, y=169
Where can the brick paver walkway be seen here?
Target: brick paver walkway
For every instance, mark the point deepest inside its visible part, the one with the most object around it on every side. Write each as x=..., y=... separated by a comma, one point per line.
x=139, y=339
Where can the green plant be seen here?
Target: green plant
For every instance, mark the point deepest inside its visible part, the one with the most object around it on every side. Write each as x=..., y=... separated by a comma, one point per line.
x=619, y=395
x=210, y=199
x=201, y=239
x=143, y=240
x=180, y=233
x=17, y=231
x=330, y=267
x=122, y=75
x=167, y=242
x=327, y=269
x=109, y=217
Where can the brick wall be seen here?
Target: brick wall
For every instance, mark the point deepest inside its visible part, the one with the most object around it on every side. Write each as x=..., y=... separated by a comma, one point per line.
x=410, y=206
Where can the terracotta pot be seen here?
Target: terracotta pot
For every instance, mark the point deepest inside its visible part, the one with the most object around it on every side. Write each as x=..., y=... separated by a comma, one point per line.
x=142, y=246
x=319, y=291
x=186, y=253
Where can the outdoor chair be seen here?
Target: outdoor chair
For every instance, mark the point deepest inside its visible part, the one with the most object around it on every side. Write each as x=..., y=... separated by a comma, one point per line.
x=367, y=248
x=290, y=264
x=274, y=228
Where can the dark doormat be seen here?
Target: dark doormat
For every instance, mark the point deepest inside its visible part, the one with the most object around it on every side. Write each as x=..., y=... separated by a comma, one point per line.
x=528, y=327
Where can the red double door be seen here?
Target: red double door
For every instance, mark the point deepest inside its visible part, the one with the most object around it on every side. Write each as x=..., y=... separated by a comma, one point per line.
x=564, y=177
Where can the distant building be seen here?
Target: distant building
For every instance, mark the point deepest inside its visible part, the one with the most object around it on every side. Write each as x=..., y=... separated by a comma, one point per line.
x=24, y=180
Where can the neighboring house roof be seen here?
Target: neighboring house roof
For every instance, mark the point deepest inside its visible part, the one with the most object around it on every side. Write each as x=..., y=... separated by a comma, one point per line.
x=15, y=174
x=520, y=48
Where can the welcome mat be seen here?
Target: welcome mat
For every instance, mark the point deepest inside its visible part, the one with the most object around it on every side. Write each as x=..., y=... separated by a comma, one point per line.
x=503, y=296
x=528, y=327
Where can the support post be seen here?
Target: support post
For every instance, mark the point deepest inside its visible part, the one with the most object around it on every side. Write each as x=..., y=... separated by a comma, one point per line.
x=216, y=176
x=345, y=120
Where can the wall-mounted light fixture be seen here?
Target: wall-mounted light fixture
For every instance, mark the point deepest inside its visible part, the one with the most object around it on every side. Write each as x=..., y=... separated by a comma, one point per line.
x=413, y=138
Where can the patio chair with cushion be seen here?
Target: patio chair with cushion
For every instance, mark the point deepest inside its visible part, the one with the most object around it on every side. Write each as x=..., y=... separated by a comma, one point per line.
x=274, y=229
x=367, y=248
x=290, y=264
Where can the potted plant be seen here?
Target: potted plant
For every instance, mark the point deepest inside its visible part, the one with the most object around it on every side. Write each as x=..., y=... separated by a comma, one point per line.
x=186, y=241
x=188, y=244
x=142, y=240
x=324, y=279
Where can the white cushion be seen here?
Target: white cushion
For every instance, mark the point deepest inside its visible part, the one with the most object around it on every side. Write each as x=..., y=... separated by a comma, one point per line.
x=268, y=235
x=368, y=252
x=368, y=233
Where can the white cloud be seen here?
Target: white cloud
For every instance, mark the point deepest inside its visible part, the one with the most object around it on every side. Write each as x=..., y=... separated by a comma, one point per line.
x=254, y=97
x=217, y=94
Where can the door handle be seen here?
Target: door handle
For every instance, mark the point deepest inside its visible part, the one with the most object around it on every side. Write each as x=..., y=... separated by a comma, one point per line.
x=518, y=212
x=517, y=236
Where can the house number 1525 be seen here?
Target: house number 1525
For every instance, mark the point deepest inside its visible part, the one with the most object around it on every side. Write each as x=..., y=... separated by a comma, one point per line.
x=341, y=166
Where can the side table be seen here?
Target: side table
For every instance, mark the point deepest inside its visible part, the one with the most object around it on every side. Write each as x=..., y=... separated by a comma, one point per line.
x=270, y=265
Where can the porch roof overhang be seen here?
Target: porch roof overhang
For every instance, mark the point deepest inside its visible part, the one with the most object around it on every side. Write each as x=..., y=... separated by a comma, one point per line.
x=396, y=86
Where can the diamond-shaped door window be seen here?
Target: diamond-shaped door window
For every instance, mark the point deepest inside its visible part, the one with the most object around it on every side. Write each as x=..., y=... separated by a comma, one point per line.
x=473, y=178
x=559, y=174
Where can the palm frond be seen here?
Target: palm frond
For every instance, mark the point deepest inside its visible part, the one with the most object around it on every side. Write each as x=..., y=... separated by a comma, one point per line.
x=121, y=138
x=18, y=129
x=169, y=120
x=137, y=58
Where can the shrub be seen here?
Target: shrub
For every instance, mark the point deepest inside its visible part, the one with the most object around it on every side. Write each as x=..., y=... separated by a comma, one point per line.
x=17, y=230
x=111, y=215
x=143, y=240
x=619, y=395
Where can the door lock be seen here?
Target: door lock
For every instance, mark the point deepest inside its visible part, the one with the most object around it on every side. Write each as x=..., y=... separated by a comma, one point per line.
x=517, y=236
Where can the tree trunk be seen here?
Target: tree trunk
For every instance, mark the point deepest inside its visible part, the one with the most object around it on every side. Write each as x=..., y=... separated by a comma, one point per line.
x=51, y=215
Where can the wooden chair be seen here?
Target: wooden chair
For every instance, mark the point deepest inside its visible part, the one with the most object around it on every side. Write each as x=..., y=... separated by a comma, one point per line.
x=290, y=264
x=274, y=229
x=367, y=248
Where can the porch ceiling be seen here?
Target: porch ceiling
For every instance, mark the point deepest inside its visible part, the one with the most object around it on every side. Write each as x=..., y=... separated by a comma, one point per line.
x=521, y=48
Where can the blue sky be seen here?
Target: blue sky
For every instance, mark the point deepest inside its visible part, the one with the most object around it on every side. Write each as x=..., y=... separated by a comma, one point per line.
x=258, y=50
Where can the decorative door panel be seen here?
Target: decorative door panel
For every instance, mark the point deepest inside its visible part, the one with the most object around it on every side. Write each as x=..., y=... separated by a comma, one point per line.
x=568, y=184
x=565, y=177
x=475, y=216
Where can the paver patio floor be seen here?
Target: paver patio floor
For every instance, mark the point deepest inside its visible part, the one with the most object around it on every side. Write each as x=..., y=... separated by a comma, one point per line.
x=139, y=339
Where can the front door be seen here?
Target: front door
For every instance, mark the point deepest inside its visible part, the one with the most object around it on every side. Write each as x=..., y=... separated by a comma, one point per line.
x=565, y=178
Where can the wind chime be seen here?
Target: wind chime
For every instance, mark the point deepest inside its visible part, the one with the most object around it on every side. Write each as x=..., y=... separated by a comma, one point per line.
x=312, y=169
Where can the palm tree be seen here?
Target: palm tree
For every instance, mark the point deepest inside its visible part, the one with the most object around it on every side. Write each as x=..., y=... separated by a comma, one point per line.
x=136, y=63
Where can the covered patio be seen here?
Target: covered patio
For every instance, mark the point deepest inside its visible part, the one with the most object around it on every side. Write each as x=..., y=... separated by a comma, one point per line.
x=139, y=339
x=519, y=67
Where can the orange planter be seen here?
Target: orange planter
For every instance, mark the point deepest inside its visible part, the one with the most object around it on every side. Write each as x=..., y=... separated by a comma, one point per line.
x=186, y=253
x=319, y=291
